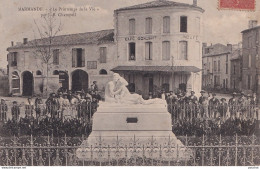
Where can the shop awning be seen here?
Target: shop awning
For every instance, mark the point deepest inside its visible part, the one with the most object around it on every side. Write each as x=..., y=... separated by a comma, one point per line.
x=156, y=69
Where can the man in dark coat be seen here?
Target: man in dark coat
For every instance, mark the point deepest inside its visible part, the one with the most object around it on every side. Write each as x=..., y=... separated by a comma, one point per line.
x=192, y=97
x=3, y=110
x=223, y=107
x=232, y=104
x=52, y=105
x=203, y=101
x=15, y=111
x=213, y=106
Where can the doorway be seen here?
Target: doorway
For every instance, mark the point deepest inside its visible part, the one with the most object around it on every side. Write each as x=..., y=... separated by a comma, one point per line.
x=27, y=83
x=79, y=81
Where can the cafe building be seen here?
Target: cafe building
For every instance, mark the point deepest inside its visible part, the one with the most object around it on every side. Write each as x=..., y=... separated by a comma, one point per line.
x=159, y=46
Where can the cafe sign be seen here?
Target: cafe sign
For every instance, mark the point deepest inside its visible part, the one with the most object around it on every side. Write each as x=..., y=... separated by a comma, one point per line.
x=133, y=38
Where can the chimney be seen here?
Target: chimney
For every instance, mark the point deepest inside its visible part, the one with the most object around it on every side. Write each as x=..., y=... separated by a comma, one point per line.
x=252, y=24
x=229, y=47
x=195, y=2
x=12, y=43
x=25, y=41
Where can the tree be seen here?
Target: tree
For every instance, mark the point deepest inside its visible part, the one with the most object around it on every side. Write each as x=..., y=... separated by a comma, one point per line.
x=47, y=29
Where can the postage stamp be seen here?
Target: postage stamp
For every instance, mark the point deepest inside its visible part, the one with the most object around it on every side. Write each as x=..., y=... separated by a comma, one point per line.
x=237, y=4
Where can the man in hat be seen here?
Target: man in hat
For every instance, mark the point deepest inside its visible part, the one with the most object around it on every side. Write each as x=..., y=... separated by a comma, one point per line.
x=232, y=104
x=223, y=107
x=29, y=108
x=242, y=105
x=213, y=106
x=52, y=105
x=15, y=111
x=192, y=97
x=3, y=110
x=94, y=86
x=203, y=101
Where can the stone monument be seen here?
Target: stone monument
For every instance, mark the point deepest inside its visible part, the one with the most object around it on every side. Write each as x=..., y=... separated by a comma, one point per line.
x=127, y=116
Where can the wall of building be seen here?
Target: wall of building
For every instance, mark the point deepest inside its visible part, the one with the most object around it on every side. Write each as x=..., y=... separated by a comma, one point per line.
x=157, y=37
x=28, y=61
x=251, y=61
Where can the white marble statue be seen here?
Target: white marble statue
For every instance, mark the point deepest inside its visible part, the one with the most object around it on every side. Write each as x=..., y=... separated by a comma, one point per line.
x=117, y=92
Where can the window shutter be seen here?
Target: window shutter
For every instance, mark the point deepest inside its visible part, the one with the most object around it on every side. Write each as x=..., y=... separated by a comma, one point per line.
x=166, y=24
x=8, y=57
x=74, y=57
x=83, y=58
x=146, y=51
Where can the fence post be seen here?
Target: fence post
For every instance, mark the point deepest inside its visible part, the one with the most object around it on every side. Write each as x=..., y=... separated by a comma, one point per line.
x=219, y=150
x=252, y=150
x=49, y=150
x=203, y=149
x=236, y=151
x=66, y=150
x=15, y=150
x=31, y=144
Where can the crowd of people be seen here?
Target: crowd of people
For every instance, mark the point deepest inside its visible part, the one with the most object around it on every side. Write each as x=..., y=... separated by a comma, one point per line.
x=187, y=106
x=71, y=113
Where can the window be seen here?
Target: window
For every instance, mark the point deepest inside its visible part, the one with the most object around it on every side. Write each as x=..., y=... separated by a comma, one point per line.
x=249, y=61
x=226, y=68
x=148, y=50
x=183, y=50
x=38, y=72
x=166, y=50
x=56, y=56
x=215, y=65
x=103, y=72
x=78, y=57
x=13, y=58
x=183, y=24
x=166, y=24
x=248, y=82
x=148, y=25
x=219, y=65
x=92, y=65
x=131, y=47
x=15, y=83
x=131, y=26
x=103, y=55
x=55, y=72
x=234, y=69
x=226, y=58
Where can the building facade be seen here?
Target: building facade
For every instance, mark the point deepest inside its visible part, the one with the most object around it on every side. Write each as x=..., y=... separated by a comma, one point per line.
x=216, y=66
x=77, y=60
x=159, y=46
x=154, y=46
x=251, y=61
x=236, y=69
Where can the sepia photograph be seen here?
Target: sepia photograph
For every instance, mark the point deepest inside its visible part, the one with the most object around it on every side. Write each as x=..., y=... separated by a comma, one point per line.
x=129, y=83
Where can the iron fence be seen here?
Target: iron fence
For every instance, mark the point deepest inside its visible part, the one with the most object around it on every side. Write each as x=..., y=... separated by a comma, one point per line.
x=205, y=151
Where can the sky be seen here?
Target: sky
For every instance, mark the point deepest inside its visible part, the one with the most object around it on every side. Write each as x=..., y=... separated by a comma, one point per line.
x=220, y=26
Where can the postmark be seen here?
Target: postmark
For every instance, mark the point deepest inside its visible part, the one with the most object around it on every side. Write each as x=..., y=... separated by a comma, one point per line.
x=248, y=5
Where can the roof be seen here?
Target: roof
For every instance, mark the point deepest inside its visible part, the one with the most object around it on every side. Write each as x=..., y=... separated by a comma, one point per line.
x=217, y=49
x=159, y=3
x=98, y=37
x=156, y=69
x=256, y=27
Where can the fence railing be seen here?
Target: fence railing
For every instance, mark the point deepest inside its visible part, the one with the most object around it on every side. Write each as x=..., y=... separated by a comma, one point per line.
x=203, y=151
x=190, y=111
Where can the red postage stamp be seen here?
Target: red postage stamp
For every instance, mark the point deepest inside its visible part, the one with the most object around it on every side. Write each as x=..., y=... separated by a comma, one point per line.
x=237, y=4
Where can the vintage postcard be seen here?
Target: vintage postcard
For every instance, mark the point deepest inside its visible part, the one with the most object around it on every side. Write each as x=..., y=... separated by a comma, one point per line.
x=129, y=83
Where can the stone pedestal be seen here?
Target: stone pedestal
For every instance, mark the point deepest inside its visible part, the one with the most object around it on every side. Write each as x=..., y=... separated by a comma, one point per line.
x=112, y=121
x=136, y=129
